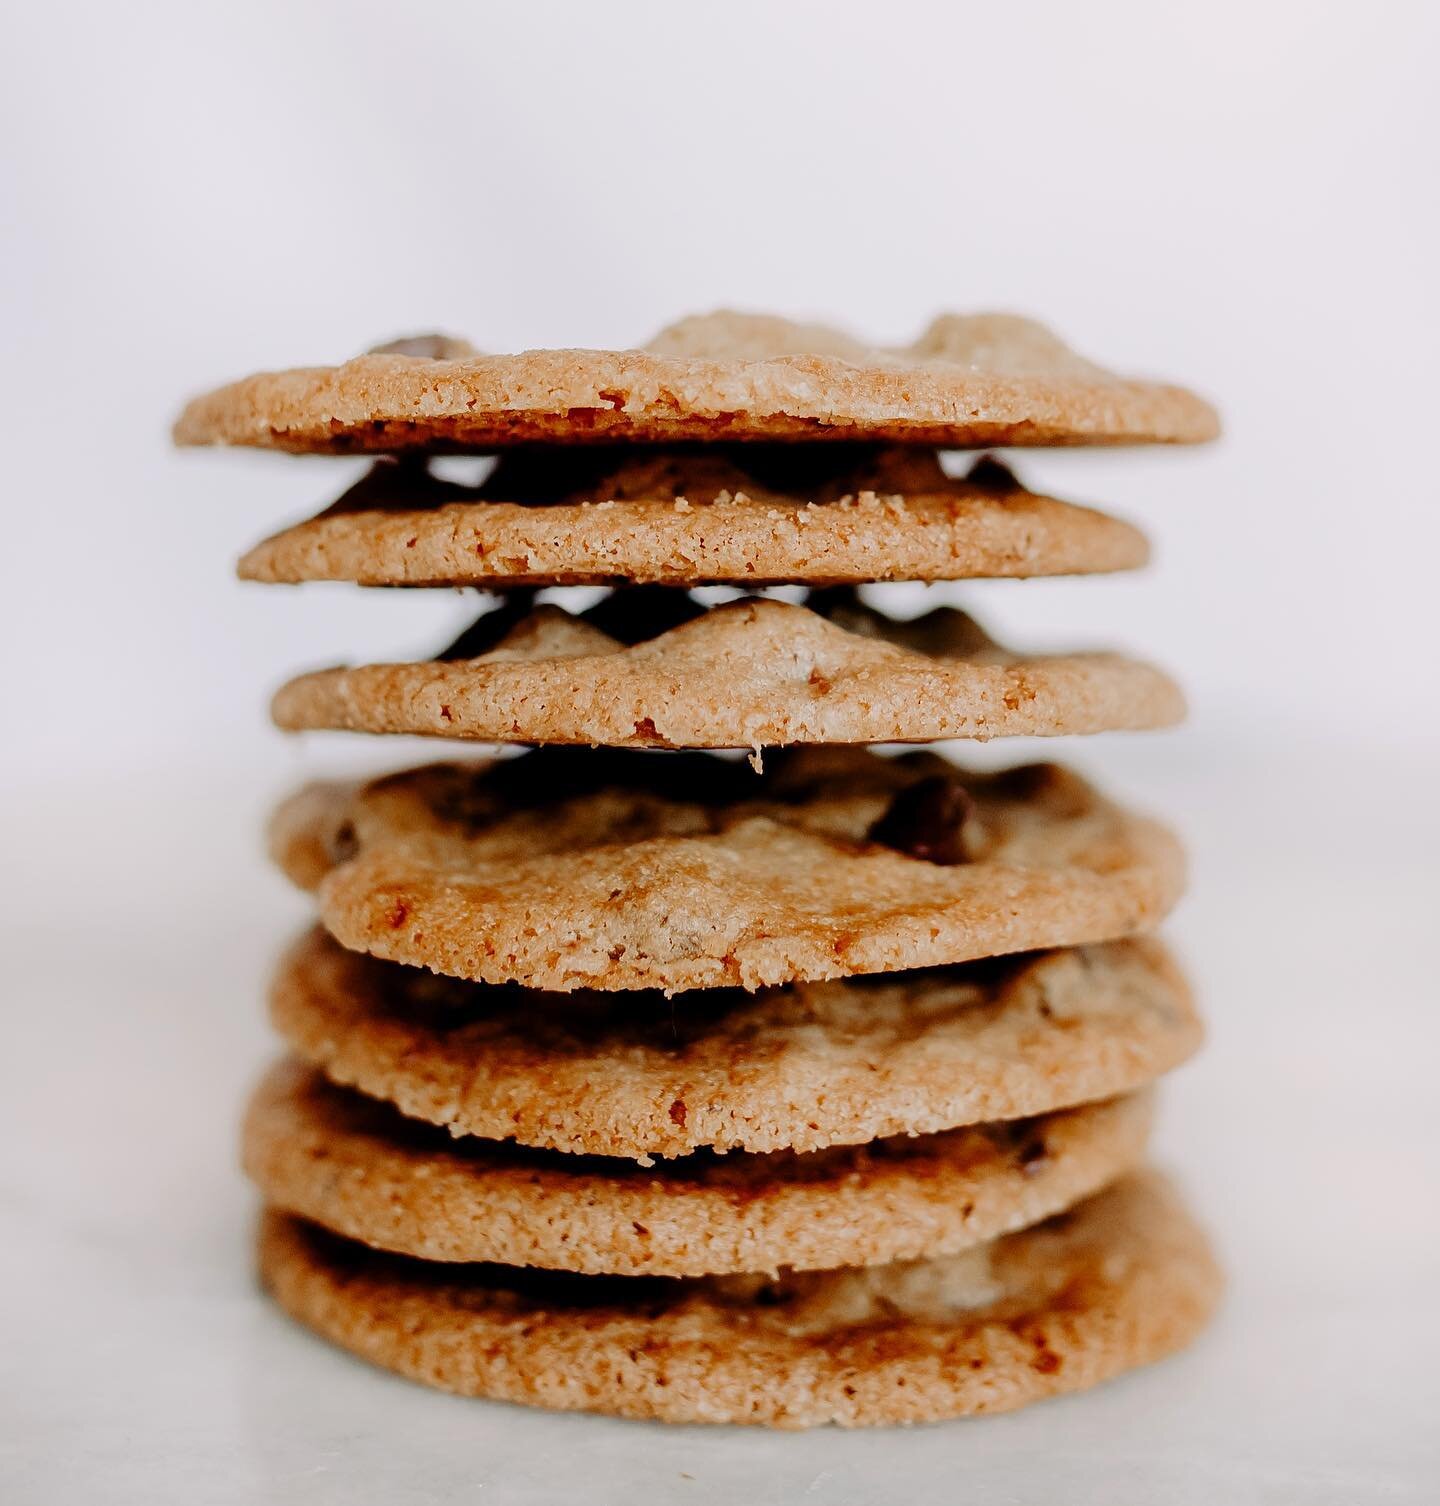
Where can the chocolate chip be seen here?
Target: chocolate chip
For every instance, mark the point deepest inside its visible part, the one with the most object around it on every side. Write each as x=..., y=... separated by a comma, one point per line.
x=926, y=820
x=1032, y=1154
x=990, y=475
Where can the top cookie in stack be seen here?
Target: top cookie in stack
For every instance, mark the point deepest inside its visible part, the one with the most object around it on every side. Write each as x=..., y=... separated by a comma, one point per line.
x=969, y=381
x=943, y=1272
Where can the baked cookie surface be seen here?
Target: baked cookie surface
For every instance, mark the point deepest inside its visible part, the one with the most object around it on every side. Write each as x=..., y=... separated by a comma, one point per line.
x=652, y=668
x=360, y=1169
x=801, y=1068
x=969, y=380
x=1122, y=1279
x=570, y=868
x=742, y=515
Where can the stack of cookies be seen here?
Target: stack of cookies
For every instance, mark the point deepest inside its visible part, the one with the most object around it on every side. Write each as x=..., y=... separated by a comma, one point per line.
x=766, y=1078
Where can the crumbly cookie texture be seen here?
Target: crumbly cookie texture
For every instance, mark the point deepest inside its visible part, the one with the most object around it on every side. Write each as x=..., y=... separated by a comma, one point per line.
x=750, y=674
x=1121, y=1280
x=742, y=515
x=571, y=868
x=969, y=380
x=362, y=1170
x=799, y=1068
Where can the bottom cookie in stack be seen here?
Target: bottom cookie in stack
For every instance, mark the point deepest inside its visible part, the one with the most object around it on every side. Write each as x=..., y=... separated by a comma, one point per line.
x=929, y=1206
x=1119, y=1280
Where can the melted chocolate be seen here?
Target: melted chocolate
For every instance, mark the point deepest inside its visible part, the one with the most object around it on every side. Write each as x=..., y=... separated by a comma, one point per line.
x=927, y=821
x=989, y=474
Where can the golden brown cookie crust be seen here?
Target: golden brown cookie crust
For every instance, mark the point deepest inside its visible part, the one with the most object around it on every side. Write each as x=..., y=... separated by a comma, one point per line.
x=818, y=1064
x=753, y=673
x=668, y=873
x=1119, y=1281
x=969, y=381
x=359, y=1169
x=678, y=517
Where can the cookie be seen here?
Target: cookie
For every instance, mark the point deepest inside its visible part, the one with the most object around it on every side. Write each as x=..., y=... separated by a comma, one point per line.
x=969, y=380
x=754, y=673
x=742, y=515
x=800, y=1068
x=1121, y=1280
x=570, y=868
x=362, y=1170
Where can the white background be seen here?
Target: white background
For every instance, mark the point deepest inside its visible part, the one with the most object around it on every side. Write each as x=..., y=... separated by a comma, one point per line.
x=1237, y=196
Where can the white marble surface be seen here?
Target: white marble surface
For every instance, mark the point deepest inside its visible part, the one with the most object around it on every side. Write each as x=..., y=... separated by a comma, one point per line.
x=138, y=1362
